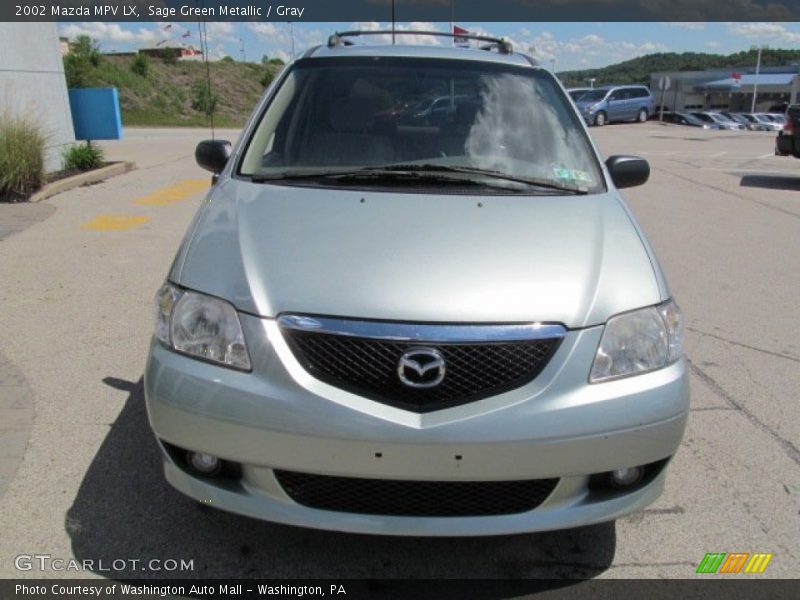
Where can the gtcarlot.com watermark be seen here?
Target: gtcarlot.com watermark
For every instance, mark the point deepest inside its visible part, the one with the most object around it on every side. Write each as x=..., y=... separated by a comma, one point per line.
x=48, y=562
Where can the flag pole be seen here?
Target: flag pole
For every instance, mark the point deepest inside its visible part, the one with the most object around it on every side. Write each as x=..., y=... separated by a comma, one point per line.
x=452, y=21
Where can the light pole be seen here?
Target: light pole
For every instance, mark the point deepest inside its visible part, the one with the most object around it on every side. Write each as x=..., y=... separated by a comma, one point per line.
x=755, y=81
x=591, y=81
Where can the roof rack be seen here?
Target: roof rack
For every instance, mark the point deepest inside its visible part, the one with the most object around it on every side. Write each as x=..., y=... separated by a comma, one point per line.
x=501, y=45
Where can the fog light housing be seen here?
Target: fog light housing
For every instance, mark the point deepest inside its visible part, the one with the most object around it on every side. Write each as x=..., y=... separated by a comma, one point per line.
x=625, y=477
x=204, y=464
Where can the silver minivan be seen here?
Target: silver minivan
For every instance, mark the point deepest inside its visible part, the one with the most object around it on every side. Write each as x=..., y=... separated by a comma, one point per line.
x=387, y=326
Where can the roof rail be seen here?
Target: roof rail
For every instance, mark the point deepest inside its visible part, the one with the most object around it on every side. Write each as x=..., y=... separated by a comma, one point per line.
x=503, y=46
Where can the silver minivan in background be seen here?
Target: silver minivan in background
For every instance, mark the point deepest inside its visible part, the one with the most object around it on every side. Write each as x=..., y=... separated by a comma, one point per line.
x=616, y=103
x=384, y=324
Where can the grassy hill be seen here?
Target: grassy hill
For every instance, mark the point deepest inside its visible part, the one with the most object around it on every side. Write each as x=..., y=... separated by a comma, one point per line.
x=169, y=93
x=162, y=92
x=638, y=69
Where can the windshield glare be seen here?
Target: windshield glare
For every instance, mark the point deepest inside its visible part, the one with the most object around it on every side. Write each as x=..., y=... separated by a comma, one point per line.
x=340, y=115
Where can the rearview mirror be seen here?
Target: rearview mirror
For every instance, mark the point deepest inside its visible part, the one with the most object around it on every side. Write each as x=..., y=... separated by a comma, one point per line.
x=213, y=155
x=628, y=171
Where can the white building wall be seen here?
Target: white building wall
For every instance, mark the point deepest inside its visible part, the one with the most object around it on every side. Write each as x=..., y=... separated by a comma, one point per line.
x=32, y=83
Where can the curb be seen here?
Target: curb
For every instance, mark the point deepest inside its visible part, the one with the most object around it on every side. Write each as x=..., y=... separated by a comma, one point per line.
x=88, y=178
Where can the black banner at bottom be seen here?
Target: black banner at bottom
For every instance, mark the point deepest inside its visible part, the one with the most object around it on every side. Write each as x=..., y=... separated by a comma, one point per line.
x=714, y=587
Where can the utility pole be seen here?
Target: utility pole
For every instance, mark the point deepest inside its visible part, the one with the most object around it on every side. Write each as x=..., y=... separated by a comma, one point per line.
x=241, y=49
x=755, y=81
x=291, y=30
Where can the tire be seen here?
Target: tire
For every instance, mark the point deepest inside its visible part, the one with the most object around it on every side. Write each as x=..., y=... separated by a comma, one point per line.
x=600, y=119
x=642, y=116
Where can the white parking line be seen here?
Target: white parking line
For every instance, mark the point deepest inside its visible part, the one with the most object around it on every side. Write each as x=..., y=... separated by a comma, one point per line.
x=717, y=154
x=766, y=155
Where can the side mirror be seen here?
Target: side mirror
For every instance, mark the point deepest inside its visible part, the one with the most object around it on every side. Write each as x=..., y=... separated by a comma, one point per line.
x=628, y=171
x=213, y=155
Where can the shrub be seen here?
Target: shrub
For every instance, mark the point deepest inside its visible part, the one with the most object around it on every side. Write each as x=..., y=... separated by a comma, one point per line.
x=267, y=78
x=83, y=157
x=226, y=59
x=204, y=100
x=21, y=157
x=141, y=65
x=83, y=59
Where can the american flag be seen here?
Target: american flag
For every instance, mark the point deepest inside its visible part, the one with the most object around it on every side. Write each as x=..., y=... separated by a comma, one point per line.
x=460, y=41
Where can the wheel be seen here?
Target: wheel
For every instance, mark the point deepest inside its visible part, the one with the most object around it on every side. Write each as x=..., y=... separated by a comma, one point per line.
x=600, y=119
x=642, y=117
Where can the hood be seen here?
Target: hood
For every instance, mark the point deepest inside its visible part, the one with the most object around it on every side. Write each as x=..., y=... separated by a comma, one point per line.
x=582, y=104
x=274, y=249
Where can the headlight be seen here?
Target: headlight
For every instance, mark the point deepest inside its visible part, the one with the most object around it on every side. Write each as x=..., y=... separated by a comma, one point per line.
x=200, y=326
x=639, y=341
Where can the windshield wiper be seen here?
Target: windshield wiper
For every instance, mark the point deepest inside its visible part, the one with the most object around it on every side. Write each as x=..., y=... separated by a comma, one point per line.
x=434, y=168
x=418, y=172
x=361, y=174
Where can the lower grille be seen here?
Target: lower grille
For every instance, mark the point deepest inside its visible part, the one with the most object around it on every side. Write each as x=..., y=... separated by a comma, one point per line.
x=369, y=366
x=415, y=498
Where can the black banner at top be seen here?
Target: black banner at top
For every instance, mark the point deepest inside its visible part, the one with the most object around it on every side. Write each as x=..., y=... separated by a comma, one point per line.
x=403, y=10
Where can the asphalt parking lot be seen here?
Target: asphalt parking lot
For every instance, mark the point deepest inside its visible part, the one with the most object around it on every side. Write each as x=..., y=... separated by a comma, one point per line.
x=80, y=473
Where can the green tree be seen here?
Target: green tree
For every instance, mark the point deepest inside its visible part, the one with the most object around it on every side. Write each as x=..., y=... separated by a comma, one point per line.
x=266, y=60
x=82, y=61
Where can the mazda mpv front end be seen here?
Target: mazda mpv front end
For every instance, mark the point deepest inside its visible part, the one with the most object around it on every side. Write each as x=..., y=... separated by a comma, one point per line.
x=440, y=325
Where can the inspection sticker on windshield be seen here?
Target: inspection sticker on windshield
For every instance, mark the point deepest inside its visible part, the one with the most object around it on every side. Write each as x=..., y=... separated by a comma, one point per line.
x=572, y=175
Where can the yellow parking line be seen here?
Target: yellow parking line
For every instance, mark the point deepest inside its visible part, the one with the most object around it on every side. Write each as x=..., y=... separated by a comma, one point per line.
x=114, y=222
x=174, y=193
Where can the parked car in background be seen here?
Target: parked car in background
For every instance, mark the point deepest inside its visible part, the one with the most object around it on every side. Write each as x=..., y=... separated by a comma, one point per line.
x=775, y=118
x=756, y=124
x=717, y=119
x=616, y=103
x=772, y=124
x=787, y=143
x=726, y=122
x=683, y=118
x=440, y=330
x=736, y=117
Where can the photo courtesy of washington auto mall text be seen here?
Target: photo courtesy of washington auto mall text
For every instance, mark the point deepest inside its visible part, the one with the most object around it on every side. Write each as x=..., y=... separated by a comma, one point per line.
x=103, y=590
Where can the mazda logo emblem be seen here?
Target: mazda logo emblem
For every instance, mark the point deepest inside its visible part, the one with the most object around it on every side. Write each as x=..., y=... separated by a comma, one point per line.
x=421, y=368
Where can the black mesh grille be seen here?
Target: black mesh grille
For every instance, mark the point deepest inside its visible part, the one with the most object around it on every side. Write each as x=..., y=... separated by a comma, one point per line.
x=368, y=367
x=415, y=498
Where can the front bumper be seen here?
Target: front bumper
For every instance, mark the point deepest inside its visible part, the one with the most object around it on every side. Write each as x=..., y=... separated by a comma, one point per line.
x=278, y=417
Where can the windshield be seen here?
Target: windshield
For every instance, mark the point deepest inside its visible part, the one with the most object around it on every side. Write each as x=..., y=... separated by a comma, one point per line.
x=337, y=116
x=593, y=95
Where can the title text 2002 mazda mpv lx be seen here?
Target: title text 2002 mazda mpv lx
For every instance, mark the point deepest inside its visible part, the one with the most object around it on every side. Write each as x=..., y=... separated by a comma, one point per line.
x=397, y=321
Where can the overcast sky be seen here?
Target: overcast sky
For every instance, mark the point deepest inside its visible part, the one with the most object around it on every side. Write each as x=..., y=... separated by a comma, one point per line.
x=571, y=45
